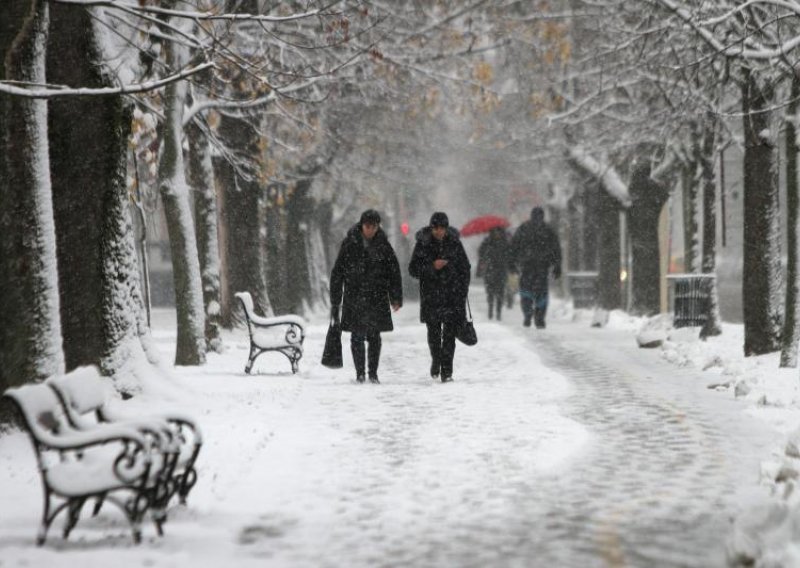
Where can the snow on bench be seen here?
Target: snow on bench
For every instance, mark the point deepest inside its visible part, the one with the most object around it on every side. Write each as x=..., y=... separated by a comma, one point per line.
x=284, y=334
x=88, y=401
x=108, y=463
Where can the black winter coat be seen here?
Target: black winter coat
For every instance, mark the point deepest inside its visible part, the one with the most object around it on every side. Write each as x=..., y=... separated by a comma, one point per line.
x=534, y=251
x=368, y=277
x=443, y=293
x=494, y=255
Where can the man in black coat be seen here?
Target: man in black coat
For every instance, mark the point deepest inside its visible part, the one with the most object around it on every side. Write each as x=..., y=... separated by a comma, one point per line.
x=367, y=275
x=493, y=256
x=443, y=269
x=534, y=251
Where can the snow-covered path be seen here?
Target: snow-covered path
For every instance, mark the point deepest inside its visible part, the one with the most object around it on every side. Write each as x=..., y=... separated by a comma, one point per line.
x=627, y=463
x=658, y=485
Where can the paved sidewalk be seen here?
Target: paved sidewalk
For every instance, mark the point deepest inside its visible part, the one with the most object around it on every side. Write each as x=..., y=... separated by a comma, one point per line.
x=657, y=486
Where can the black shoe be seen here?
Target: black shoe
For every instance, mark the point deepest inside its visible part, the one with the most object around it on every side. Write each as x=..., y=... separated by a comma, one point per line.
x=527, y=322
x=434, y=370
x=360, y=378
x=374, y=379
x=447, y=379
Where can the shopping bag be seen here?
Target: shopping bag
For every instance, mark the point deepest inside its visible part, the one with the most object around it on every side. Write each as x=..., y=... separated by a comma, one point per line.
x=466, y=331
x=332, y=354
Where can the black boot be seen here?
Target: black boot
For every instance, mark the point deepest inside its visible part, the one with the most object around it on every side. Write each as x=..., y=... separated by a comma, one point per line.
x=435, y=369
x=373, y=378
x=360, y=378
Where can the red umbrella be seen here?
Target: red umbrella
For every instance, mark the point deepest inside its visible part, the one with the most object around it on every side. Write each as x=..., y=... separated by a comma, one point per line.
x=483, y=224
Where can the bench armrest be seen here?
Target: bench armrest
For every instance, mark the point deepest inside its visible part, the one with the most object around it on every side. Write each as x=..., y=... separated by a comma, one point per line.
x=102, y=434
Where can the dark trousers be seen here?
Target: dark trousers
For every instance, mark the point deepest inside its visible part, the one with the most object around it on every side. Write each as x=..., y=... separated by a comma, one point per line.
x=442, y=343
x=496, y=294
x=534, y=304
x=357, y=349
x=495, y=299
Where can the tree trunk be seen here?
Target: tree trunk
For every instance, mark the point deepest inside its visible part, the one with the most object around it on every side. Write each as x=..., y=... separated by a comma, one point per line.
x=791, y=325
x=761, y=289
x=191, y=343
x=713, y=325
x=102, y=306
x=31, y=326
x=201, y=178
x=81, y=166
x=274, y=247
x=298, y=218
x=647, y=200
x=244, y=266
x=608, y=252
x=691, y=214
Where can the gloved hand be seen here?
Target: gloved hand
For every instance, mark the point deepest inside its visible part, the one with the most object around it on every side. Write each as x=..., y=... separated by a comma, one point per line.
x=557, y=271
x=335, y=313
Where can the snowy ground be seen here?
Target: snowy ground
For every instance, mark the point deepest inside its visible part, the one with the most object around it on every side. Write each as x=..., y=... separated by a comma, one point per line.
x=563, y=447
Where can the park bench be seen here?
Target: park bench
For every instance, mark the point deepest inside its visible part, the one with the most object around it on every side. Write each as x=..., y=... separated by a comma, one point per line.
x=108, y=463
x=284, y=334
x=84, y=395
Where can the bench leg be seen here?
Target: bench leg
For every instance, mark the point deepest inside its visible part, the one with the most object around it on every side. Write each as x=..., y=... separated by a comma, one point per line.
x=295, y=358
x=41, y=536
x=254, y=352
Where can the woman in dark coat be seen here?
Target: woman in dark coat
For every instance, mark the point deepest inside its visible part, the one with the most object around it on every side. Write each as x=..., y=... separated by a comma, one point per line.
x=443, y=270
x=493, y=257
x=367, y=275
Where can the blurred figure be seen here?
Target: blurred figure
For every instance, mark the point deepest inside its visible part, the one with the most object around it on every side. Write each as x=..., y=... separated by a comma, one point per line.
x=367, y=275
x=493, y=258
x=534, y=251
x=442, y=267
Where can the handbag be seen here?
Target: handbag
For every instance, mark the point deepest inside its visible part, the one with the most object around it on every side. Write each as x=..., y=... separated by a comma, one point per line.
x=466, y=331
x=332, y=354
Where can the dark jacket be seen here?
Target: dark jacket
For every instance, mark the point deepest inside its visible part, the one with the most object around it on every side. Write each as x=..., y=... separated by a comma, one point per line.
x=443, y=293
x=534, y=251
x=368, y=277
x=494, y=255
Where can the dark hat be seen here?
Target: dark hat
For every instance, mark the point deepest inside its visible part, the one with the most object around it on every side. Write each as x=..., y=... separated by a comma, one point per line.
x=439, y=219
x=370, y=217
x=537, y=214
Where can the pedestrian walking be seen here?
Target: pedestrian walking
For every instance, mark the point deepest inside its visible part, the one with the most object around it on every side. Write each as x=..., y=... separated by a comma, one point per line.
x=535, y=251
x=366, y=276
x=443, y=269
x=493, y=257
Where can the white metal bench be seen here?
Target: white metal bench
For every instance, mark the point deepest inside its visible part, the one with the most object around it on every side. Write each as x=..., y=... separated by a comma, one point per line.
x=108, y=463
x=87, y=400
x=284, y=334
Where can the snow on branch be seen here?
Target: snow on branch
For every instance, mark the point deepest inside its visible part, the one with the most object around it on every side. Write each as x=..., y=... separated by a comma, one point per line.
x=606, y=173
x=756, y=52
x=207, y=16
x=51, y=91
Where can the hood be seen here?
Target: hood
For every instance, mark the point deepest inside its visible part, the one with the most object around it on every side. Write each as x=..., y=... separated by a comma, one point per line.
x=425, y=234
x=354, y=233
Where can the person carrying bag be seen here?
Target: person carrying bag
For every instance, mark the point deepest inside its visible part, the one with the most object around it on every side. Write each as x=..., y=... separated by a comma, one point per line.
x=443, y=269
x=366, y=282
